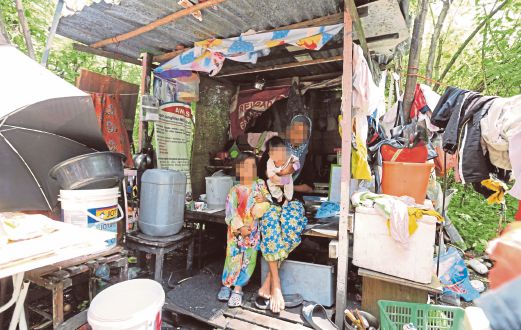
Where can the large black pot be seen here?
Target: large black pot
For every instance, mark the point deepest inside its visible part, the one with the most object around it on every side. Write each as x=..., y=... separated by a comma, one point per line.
x=99, y=170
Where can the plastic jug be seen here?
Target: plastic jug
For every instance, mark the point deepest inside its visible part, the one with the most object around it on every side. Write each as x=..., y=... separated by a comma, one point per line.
x=162, y=202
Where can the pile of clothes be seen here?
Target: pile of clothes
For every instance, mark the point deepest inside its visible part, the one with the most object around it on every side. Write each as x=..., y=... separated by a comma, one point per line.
x=479, y=130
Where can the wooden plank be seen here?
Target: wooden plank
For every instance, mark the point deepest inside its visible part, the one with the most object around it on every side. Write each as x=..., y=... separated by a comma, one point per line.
x=375, y=289
x=260, y=319
x=435, y=286
x=160, y=22
x=235, y=324
x=218, y=321
x=52, y=32
x=74, y=322
x=291, y=315
x=357, y=24
x=282, y=66
x=146, y=81
x=343, y=226
x=31, y=275
x=57, y=305
x=107, y=54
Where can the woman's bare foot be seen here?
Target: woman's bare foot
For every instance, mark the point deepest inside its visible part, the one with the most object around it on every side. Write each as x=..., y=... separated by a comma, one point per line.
x=265, y=289
x=277, y=300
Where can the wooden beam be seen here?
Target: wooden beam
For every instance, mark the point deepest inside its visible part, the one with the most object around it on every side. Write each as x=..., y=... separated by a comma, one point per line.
x=104, y=53
x=52, y=32
x=343, y=226
x=146, y=82
x=282, y=66
x=160, y=22
x=324, y=20
x=357, y=24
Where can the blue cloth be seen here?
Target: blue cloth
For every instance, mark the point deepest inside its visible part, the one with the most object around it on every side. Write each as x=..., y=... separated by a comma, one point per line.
x=454, y=275
x=328, y=209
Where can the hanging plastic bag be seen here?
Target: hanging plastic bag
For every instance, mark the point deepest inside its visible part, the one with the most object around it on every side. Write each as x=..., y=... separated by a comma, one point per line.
x=187, y=88
x=359, y=166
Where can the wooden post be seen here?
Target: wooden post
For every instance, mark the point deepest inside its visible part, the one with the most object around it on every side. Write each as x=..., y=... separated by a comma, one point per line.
x=52, y=32
x=25, y=28
x=343, y=235
x=414, y=59
x=146, y=80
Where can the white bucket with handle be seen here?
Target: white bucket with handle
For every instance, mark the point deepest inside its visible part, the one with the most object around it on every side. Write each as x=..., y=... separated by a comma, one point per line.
x=93, y=208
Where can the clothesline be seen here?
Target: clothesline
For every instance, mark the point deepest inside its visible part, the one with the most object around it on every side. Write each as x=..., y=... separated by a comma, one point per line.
x=425, y=78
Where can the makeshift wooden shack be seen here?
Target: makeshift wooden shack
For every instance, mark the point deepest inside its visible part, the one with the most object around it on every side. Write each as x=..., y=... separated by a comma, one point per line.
x=147, y=33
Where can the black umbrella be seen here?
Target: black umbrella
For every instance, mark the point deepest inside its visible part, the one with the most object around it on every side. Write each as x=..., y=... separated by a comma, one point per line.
x=44, y=120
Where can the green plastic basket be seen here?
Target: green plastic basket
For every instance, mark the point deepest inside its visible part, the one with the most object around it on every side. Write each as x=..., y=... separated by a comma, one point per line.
x=394, y=315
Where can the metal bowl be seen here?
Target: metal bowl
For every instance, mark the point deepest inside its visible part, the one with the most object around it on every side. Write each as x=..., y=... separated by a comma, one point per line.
x=99, y=170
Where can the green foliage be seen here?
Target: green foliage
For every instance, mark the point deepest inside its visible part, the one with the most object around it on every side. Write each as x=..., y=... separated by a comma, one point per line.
x=63, y=60
x=490, y=62
x=476, y=220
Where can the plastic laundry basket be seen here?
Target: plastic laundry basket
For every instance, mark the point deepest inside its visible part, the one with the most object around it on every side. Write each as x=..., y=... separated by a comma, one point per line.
x=394, y=315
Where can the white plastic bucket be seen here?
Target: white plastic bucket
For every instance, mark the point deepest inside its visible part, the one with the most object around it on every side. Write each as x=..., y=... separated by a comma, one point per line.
x=92, y=208
x=217, y=188
x=129, y=305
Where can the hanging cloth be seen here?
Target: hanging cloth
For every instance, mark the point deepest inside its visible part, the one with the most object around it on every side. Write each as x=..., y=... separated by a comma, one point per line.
x=110, y=119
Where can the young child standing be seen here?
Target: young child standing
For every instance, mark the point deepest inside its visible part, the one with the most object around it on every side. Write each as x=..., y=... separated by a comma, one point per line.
x=280, y=186
x=246, y=203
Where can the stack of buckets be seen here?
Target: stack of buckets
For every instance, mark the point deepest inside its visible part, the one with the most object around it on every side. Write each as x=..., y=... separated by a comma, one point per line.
x=93, y=208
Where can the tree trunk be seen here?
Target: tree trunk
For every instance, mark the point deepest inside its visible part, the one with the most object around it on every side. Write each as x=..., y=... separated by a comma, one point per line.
x=414, y=59
x=435, y=36
x=466, y=42
x=4, y=38
x=25, y=28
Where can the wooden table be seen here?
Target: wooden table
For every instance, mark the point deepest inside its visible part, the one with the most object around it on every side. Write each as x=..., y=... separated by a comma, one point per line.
x=59, y=276
x=378, y=286
x=218, y=217
x=160, y=246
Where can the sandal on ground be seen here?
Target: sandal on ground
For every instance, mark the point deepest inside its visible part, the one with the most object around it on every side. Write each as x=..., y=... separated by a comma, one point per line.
x=224, y=294
x=290, y=301
x=235, y=299
x=315, y=314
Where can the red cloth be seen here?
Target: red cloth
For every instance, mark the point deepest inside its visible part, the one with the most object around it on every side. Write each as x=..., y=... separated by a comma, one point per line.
x=418, y=103
x=250, y=104
x=417, y=154
x=110, y=119
x=518, y=214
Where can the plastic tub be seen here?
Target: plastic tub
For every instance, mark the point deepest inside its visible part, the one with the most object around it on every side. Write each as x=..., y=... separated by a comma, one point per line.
x=130, y=305
x=217, y=188
x=394, y=315
x=406, y=179
x=92, y=208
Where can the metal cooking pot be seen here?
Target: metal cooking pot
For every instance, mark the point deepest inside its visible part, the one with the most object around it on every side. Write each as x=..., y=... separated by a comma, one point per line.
x=99, y=170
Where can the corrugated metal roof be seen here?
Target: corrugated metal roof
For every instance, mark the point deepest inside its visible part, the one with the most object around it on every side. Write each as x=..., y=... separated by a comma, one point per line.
x=231, y=18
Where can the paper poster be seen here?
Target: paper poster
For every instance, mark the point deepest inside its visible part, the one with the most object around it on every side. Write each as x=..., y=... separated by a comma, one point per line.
x=174, y=137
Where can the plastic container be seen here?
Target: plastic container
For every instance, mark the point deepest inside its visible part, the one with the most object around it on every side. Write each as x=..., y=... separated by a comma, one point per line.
x=394, y=315
x=314, y=282
x=92, y=208
x=217, y=188
x=162, y=202
x=406, y=179
x=375, y=249
x=129, y=305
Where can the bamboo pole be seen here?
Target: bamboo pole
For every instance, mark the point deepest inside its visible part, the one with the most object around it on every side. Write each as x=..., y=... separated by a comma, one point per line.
x=146, y=82
x=52, y=32
x=414, y=59
x=160, y=22
x=343, y=235
x=25, y=29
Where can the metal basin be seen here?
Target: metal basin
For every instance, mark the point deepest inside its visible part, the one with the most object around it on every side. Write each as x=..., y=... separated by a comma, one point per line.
x=99, y=170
